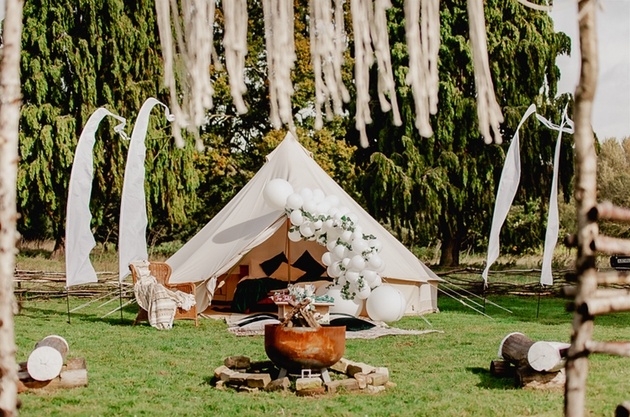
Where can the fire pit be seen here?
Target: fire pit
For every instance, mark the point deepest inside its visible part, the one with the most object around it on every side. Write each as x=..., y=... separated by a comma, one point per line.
x=297, y=348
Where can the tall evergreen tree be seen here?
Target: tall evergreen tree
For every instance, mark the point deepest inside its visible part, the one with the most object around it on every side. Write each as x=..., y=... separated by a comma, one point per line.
x=78, y=56
x=444, y=186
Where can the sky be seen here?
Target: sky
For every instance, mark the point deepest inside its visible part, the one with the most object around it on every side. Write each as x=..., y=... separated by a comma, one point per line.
x=611, y=113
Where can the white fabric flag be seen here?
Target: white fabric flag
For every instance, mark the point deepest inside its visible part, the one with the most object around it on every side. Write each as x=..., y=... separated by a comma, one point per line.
x=510, y=177
x=132, y=240
x=553, y=222
x=79, y=238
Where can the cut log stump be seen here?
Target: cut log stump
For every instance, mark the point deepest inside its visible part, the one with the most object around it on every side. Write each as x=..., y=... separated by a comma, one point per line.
x=514, y=348
x=73, y=374
x=623, y=409
x=502, y=369
x=46, y=360
x=547, y=356
x=530, y=379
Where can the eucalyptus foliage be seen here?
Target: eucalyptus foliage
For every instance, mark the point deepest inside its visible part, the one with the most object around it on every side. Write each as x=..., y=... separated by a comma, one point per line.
x=442, y=188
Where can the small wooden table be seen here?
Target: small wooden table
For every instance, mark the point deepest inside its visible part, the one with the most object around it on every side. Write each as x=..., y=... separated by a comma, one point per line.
x=321, y=308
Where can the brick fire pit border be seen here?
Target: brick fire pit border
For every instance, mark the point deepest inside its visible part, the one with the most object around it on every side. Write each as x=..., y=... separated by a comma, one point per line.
x=241, y=374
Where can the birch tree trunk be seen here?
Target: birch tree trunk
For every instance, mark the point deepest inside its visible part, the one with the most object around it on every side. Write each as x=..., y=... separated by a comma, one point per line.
x=10, y=100
x=586, y=200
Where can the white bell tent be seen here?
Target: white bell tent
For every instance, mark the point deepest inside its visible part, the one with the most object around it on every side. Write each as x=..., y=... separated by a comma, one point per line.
x=240, y=235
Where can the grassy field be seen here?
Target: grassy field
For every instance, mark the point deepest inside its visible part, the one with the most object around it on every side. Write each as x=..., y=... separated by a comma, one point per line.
x=140, y=371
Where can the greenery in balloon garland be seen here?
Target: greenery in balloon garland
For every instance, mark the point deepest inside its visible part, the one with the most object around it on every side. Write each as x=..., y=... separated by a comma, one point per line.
x=352, y=259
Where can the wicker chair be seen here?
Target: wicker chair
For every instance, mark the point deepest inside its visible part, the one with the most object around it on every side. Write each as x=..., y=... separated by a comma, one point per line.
x=162, y=272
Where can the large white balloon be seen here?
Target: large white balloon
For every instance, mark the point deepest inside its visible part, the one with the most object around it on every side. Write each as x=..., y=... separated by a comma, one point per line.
x=352, y=307
x=276, y=193
x=385, y=303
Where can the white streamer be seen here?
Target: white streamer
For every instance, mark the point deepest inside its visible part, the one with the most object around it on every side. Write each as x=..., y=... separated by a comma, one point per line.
x=423, y=47
x=280, y=59
x=510, y=177
x=488, y=110
x=553, y=222
x=327, y=47
x=235, y=43
x=132, y=240
x=79, y=238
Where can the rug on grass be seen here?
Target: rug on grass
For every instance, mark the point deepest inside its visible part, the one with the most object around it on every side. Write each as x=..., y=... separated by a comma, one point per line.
x=356, y=328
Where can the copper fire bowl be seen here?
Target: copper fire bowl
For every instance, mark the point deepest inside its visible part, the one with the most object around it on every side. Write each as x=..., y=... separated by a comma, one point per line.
x=296, y=348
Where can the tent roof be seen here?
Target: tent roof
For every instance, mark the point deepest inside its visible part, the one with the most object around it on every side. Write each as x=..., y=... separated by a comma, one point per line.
x=247, y=221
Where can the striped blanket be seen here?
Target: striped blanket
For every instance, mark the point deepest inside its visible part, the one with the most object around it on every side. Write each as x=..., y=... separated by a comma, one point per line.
x=159, y=302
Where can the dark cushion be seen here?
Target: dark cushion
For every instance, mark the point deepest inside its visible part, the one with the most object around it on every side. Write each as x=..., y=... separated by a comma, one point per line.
x=251, y=291
x=309, y=265
x=270, y=265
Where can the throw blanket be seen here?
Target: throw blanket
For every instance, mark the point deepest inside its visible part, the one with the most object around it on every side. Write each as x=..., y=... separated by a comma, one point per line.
x=159, y=302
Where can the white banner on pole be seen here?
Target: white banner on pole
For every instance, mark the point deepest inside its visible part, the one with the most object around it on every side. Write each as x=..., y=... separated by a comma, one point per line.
x=553, y=221
x=510, y=177
x=132, y=240
x=79, y=238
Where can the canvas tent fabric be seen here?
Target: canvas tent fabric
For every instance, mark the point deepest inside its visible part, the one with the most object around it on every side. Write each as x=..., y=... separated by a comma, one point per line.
x=248, y=221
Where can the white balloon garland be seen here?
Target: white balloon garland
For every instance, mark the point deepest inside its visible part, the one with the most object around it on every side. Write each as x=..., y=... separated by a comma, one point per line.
x=352, y=259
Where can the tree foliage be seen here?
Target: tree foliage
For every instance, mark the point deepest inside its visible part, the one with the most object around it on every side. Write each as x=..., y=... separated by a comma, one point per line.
x=78, y=56
x=443, y=187
x=613, y=181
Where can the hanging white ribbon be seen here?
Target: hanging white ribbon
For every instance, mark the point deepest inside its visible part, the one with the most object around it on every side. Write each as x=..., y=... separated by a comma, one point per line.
x=79, y=238
x=132, y=240
x=510, y=177
x=553, y=222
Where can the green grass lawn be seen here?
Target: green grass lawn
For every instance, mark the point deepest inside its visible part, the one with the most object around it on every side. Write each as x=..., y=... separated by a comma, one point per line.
x=141, y=371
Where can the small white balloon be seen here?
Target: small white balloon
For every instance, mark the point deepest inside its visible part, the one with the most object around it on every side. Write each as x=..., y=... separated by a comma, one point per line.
x=309, y=206
x=369, y=276
x=307, y=194
x=377, y=281
x=296, y=217
x=331, y=244
x=375, y=262
x=359, y=245
x=295, y=201
x=357, y=263
x=322, y=208
x=276, y=193
x=306, y=229
x=340, y=251
x=295, y=236
x=345, y=262
x=327, y=258
x=318, y=195
x=333, y=270
x=352, y=276
x=364, y=292
x=346, y=236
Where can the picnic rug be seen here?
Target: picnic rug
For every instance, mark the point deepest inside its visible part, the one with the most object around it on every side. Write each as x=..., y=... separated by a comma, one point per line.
x=356, y=328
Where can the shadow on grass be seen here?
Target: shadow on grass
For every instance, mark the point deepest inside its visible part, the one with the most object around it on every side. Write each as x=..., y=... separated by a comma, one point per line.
x=486, y=380
x=33, y=311
x=546, y=310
